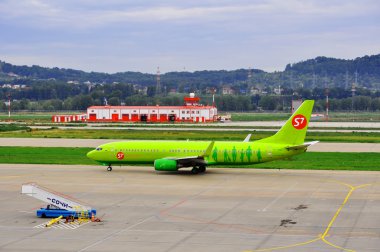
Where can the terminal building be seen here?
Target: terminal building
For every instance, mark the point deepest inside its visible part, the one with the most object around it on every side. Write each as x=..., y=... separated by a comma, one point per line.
x=191, y=111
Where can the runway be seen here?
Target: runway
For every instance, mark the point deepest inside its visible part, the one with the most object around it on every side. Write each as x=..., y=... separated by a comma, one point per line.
x=222, y=210
x=92, y=143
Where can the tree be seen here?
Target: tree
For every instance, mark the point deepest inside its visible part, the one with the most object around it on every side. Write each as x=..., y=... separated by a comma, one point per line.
x=151, y=91
x=114, y=101
x=81, y=102
x=268, y=102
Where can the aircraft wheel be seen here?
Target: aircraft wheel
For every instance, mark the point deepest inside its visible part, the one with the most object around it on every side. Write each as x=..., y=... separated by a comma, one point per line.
x=202, y=169
x=195, y=170
x=109, y=168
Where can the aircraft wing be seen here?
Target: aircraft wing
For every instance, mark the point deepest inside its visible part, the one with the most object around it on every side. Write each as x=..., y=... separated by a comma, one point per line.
x=302, y=146
x=194, y=160
x=190, y=161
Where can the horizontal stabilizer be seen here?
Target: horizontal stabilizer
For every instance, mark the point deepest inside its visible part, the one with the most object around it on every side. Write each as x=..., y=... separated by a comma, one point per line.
x=302, y=146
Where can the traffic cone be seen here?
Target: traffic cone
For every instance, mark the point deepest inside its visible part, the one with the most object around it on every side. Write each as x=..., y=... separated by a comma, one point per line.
x=92, y=217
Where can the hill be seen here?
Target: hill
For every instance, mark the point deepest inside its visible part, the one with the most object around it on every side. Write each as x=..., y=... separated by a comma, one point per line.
x=39, y=88
x=309, y=73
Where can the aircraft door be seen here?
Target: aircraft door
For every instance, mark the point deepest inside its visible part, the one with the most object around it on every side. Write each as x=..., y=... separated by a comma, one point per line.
x=269, y=151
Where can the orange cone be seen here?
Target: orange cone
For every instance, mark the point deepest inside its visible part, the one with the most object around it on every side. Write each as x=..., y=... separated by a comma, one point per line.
x=92, y=217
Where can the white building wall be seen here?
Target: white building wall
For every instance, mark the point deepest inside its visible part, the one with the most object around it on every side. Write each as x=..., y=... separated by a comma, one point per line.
x=103, y=114
x=181, y=113
x=115, y=111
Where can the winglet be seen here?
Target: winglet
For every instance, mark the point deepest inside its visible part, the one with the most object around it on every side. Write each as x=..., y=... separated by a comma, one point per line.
x=209, y=149
x=247, y=138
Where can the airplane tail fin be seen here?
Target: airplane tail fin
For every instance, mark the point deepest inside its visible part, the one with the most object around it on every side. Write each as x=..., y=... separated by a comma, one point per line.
x=293, y=132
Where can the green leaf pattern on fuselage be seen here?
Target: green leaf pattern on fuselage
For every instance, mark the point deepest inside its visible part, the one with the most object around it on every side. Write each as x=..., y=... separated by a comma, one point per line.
x=259, y=157
x=234, y=154
x=226, y=157
x=231, y=155
x=242, y=156
x=215, y=154
x=248, y=152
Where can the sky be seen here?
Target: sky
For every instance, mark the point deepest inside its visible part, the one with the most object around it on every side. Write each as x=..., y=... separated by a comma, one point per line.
x=128, y=35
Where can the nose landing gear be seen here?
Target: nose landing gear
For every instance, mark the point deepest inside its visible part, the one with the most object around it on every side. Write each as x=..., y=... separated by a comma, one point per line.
x=109, y=168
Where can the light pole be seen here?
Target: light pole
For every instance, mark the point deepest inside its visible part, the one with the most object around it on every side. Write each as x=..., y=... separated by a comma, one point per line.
x=9, y=105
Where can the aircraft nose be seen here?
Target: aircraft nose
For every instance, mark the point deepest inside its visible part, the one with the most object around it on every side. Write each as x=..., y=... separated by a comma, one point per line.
x=91, y=154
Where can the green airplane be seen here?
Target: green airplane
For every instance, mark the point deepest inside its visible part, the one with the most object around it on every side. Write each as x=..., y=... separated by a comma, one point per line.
x=173, y=155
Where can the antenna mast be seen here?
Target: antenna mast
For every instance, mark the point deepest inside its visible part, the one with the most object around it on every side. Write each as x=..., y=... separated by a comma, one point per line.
x=158, y=78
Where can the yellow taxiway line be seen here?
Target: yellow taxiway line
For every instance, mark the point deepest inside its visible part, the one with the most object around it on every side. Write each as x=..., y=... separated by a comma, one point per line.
x=325, y=234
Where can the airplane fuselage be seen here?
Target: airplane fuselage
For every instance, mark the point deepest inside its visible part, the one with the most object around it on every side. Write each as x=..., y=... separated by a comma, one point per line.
x=146, y=152
x=173, y=155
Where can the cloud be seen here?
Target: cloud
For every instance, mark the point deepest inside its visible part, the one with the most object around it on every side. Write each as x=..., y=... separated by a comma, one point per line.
x=118, y=35
x=87, y=14
x=27, y=8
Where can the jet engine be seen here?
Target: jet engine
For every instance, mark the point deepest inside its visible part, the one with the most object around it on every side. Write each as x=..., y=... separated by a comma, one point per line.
x=165, y=165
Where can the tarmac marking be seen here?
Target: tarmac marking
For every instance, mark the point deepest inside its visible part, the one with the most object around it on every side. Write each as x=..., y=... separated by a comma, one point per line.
x=72, y=225
x=25, y=212
x=164, y=211
x=352, y=189
x=285, y=247
x=276, y=199
x=116, y=233
x=218, y=224
x=325, y=234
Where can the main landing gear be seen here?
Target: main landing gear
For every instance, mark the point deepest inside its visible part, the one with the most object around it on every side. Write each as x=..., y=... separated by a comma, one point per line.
x=200, y=169
x=109, y=168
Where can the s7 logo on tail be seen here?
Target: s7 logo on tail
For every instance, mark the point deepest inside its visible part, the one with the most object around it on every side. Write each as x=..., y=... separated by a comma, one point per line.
x=299, y=122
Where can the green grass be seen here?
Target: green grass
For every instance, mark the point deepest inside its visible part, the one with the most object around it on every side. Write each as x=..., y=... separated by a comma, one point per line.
x=359, y=137
x=12, y=127
x=259, y=116
x=306, y=161
x=328, y=161
x=358, y=116
x=30, y=117
x=39, y=155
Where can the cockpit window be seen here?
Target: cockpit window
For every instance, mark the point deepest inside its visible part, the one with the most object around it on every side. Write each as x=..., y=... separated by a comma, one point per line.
x=99, y=149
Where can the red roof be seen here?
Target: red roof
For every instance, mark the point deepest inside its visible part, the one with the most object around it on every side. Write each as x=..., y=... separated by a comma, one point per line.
x=192, y=99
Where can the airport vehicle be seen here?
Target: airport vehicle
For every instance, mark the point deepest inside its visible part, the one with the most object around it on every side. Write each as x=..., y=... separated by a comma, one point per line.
x=52, y=211
x=59, y=204
x=173, y=155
